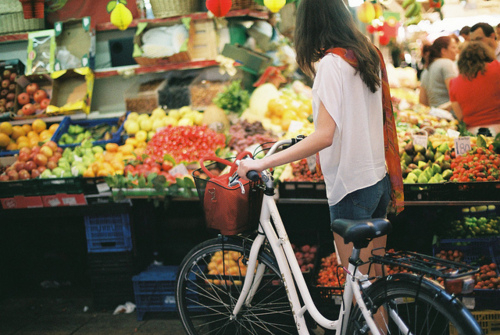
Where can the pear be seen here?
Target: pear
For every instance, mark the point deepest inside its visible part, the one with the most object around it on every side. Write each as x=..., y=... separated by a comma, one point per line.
x=429, y=155
x=433, y=180
x=446, y=166
x=411, y=178
x=406, y=158
x=447, y=174
x=443, y=147
x=410, y=150
x=436, y=168
x=422, y=179
x=419, y=148
x=418, y=157
x=417, y=172
x=422, y=165
x=438, y=155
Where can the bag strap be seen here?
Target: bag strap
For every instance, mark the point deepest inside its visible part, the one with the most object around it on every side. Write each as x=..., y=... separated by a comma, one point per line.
x=233, y=165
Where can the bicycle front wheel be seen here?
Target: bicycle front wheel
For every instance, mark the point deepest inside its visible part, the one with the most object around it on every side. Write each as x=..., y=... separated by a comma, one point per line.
x=209, y=284
x=420, y=307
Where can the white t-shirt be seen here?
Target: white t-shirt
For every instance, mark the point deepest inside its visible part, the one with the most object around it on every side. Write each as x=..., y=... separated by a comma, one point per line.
x=356, y=158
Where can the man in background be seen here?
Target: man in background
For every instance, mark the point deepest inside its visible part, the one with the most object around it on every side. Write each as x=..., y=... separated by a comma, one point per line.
x=483, y=32
x=464, y=32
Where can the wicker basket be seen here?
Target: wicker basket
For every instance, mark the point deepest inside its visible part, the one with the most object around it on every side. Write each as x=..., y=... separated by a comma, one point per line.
x=169, y=8
x=12, y=18
x=246, y=4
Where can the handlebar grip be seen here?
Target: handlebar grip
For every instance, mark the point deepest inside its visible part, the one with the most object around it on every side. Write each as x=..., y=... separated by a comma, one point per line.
x=253, y=175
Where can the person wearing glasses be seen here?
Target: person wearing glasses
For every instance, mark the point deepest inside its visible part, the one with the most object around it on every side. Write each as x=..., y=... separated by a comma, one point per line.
x=483, y=32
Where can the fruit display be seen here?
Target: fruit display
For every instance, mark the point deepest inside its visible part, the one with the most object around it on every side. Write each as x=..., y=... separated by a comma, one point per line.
x=33, y=100
x=15, y=137
x=8, y=91
x=76, y=133
x=184, y=143
x=488, y=278
x=227, y=263
x=306, y=256
x=451, y=255
x=244, y=134
x=299, y=171
x=479, y=164
x=426, y=165
x=471, y=226
x=331, y=274
x=33, y=162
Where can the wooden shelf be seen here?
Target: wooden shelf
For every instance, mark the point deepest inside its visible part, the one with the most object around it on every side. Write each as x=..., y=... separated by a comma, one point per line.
x=256, y=14
x=137, y=69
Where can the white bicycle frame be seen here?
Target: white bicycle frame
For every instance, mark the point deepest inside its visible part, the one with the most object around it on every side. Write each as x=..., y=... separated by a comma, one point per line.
x=290, y=270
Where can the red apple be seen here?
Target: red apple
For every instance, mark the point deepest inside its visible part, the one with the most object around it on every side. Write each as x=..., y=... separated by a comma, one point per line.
x=19, y=166
x=5, y=83
x=35, y=149
x=13, y=175
x=57, y=154
x=28, y=109
x=23, y=98
x=13, y=76
x=25, y=149
x=6, y=74
x=41, y=168
x=46, y=150
x=3, y=93
x=44, y=103
x=9, y=105
x=40, y=159
x=3, y=101
x=23, y=156
x=30, y=166
x=11, y=96
x=51, y=165
x=40, y=95
x=4, y=177
x=12, y=87
x=32, y=88
x=23, y=175
x=51, y=144
x=35, y=173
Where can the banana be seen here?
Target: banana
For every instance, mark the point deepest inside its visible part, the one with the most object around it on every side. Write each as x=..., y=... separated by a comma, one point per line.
x=406, y=3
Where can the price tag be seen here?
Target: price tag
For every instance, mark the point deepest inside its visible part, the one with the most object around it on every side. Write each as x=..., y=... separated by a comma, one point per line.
x=420, y=140
x=69, y=201
x=311, y=163
x=452, y=133
x=179, y=169
x=102, y=187
x=462, y=145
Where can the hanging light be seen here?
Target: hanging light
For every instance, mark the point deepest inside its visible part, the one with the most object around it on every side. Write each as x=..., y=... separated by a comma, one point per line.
x=274, y=5
x=219, y=7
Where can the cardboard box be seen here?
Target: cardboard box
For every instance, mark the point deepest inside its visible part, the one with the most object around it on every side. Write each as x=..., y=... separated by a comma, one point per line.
x=71, y=92
x=185, y=52
x=63, y=199
x=21, y=202
x=41, y=52
x=251, y=61
x=204, y=37
x=75, y=39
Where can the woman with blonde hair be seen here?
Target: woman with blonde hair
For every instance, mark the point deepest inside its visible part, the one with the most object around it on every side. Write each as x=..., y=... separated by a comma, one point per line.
x=475, y=93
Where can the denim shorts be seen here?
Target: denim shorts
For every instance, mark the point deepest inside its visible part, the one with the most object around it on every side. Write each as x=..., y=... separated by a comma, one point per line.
x=367, y=203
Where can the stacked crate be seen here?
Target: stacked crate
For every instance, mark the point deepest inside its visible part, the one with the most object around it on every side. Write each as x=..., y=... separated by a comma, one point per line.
x=110, y=259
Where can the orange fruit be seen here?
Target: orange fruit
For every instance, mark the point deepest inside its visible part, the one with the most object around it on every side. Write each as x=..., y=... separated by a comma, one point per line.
x=53, y=127
x=23, y=144
x=21, y=138
x=26, y=128
x=6, y=128
x=45, y=135
x=33, y=142
x=39, y=125
x=11, y=146
x=32, y=134
x=111, y=147
x=17, y=131
x=4, y=140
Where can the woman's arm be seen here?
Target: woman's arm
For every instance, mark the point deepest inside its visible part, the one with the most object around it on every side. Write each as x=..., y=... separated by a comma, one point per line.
x=457, y=110
x=422, y=97
x=321, y=138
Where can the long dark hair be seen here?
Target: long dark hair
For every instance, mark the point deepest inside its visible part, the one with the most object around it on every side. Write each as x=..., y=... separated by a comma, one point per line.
x=439, y=43
x=325, y=24
x=473, y=59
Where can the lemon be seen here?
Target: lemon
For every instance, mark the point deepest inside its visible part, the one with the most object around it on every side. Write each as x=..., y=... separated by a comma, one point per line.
x=133, y=116
x=6, y=128
x=4, y=140
x=158, y=113
x=146, y=124
x=141, y=136
x=131, y=127
x=121, y=16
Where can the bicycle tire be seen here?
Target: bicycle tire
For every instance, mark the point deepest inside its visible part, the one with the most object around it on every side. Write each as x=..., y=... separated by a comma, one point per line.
x=423, y=306
x=205, y=305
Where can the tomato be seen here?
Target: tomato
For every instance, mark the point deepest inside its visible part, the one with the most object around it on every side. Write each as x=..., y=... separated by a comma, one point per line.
x=44, y=103
x=23, y=98
x=39, y=95
x=32, y=88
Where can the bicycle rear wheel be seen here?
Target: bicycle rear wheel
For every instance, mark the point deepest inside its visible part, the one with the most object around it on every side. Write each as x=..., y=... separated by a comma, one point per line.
x=422, y=307
x=209, y=283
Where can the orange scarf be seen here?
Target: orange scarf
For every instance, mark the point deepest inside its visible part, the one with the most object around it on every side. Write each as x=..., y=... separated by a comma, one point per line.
x=390, y=136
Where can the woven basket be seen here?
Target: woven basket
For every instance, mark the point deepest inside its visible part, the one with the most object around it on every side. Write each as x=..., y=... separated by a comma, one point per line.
x=12, y=18
x=169, y=8
x=246, y=4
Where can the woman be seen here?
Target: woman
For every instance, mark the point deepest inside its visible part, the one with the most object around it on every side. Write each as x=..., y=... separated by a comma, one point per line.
x=441, y=68
x=352, y=116
x=475, y=93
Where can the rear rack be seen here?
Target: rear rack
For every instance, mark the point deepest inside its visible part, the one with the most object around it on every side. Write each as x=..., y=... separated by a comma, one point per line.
x=424, y=264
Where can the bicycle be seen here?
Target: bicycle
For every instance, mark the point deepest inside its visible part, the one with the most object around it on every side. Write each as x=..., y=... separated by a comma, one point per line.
x=258, y=286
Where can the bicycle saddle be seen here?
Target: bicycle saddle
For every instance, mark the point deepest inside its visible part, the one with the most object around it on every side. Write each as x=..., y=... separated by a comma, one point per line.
x=361, y=232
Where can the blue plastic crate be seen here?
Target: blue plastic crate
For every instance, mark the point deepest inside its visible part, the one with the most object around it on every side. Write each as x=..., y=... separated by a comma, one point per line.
x=108, y=233
x=476, y=251
x=67, y=121
x=154, y=290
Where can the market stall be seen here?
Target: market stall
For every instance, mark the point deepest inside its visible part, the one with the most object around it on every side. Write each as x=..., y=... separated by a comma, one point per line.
x=113, y=146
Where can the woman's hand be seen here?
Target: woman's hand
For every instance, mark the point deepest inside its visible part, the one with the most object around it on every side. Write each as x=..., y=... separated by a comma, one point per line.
x=249, y=165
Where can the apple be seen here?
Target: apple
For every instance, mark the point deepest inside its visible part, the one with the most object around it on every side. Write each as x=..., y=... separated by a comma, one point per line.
x=23, y=98
x=9, y=105
x=3, y=101
x=4, y=177
x=13, y=175
x=5, y=83
x=51, y=165
x=19, y=166
x=28, y=109
x=2, y=109
x=35, y=173
x=13, y=76
x=41, y=168
x=12, y=87
x=46, y=150
x=57, y=154
x=32, y=88
x=23, y=175
x=25, y=149
x=40, y=159
x=6, y=74
x=30, y=166
x=45, y=103
x=40, y=95
x=35, y=149
x=3, y=93
x=23, y=156
x=11, y=96
x=51, y=144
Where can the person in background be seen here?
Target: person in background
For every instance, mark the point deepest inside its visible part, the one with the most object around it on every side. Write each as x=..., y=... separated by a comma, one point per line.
x=441, y=68
x=483, y=32
x=353, y=119
x=497, y=29
x=475, y=93
x=465, y=33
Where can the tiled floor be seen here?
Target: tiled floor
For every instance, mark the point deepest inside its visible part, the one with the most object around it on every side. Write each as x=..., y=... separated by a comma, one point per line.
x=65, y=311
